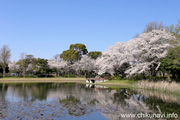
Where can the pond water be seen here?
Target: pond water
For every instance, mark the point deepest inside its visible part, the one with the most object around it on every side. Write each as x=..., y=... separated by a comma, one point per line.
x=80, y=101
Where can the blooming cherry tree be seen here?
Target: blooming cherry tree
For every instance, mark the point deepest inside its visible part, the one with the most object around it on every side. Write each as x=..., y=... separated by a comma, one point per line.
x=143, y=53
x=86, y=63
x=57, y=63
x=13, y=66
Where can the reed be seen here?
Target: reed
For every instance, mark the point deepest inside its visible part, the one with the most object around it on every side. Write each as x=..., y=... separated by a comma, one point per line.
x=160, y=85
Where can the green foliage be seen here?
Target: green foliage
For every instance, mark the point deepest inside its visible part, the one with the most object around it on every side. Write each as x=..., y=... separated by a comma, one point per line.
x=171, y=63
x=175, y=30
x=70, y=55
x=94, y=54
x=79, y=48
x=74, y=53
x=41, y=66
x=1, y=76
x=115, y=78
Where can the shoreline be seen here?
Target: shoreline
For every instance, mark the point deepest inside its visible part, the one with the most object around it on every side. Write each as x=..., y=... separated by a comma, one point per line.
x=40, y=80
x=112, y=83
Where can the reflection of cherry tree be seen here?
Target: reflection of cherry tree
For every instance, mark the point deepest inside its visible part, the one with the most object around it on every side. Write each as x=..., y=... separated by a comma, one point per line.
x=75, y=106
x=143, y=53
x=80, y=101
x=103, y=99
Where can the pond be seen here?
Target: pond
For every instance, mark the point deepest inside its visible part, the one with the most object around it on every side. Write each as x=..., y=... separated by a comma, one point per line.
x=83, y=102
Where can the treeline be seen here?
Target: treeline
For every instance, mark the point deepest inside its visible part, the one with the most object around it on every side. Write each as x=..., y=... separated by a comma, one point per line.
x=154, y=54
x=61, y=65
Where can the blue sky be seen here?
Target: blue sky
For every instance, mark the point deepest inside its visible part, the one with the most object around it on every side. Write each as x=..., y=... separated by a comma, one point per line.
x=45, y=28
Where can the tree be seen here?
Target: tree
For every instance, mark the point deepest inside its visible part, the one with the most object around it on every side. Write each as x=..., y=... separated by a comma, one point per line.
x=175, y=30
x=26, y=63
x=75, y=52
x=121, y=70
x=94, y=54
x=143, y=53
x=41, y=66
x=13, y=67
x=115, y=56
x=79, y=48
x=5, y=54
x=154, y=26
x=22, y=63
x=70, y=55
x=86, y=64
x=171, y=63
x=57, y=63
x=147, y=50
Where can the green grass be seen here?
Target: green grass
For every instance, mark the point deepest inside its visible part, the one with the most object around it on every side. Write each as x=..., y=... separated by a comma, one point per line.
x=122, y=83
x=54, y=79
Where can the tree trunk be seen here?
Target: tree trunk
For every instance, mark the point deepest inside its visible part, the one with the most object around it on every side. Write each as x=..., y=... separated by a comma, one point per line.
x=4, y=72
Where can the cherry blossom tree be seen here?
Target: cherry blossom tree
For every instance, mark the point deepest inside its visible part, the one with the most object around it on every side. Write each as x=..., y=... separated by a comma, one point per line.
x=13, y=66
x=5, y=54
x=142, y=53
x=86, y=63
x=57, y=63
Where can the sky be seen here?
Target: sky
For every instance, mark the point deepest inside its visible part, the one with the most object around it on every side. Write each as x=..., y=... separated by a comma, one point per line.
x=44, y=28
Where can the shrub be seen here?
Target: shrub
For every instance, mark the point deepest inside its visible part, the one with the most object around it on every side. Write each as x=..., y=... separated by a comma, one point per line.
x=1, y=76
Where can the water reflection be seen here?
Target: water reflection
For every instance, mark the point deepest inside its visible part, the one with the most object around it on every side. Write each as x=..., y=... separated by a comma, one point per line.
x=76, y=101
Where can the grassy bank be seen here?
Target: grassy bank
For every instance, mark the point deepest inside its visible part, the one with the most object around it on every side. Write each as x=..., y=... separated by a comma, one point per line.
x=54, y=79
x=122, y=83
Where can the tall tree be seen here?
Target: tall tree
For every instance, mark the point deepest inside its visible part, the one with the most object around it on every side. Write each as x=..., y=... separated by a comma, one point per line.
x=171, y=63
x=143, y=53
x=59, y=64
x=175, y=30
x=22, y=63
x=13, y=67
x=42, y=66
x=154, y=26
x=70, y=55
x=94, y=54
x=5, y=54
x=79, y=48
x=75, y=52
x=86, y=64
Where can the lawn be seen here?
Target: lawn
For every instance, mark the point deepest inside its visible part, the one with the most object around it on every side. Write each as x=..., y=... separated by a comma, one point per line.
x=54, y=79
x=122, y=83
